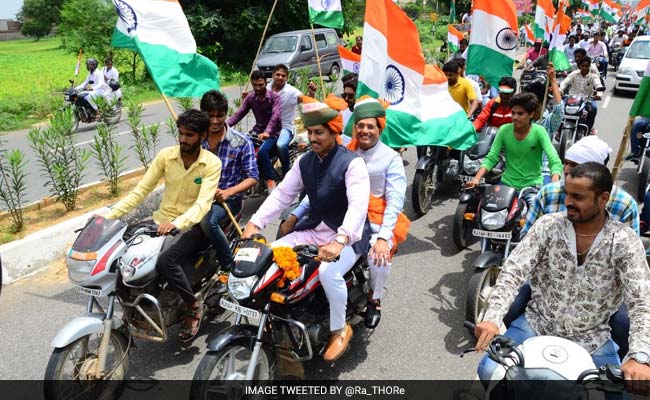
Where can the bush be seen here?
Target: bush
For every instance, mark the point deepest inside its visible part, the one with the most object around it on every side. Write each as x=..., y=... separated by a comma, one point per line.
x=13, y=174
x=413, y=10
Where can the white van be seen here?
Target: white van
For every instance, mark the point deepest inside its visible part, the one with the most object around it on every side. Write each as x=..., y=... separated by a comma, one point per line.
x=633, y=64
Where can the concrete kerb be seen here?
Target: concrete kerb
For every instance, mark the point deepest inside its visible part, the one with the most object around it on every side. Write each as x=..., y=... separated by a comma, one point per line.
x=41, y=249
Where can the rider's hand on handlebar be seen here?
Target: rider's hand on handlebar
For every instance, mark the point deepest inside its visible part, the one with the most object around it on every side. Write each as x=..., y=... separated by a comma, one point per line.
x=472, y=184
x=289, y=225
x=637, y=377
x=250, y=230
x=330, y=251
x=165, y=228
x=485, y=332
x=263, y=135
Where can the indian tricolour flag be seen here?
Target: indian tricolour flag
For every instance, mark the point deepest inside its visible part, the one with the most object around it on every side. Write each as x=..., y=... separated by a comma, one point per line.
x=585, y=15
x=326, y=13
x=454, y=36
x=611, y=11
x=641, y=105
x=159, y=32
x=642, y=11
x=491, y=51
x=350, y=61
x=544, y=15
x=530, y=36
x=593, y=5
x=421, y=111
x=560, y=29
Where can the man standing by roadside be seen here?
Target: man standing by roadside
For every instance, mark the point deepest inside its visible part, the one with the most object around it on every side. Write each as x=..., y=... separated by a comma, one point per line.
x=358, y=46
x=460, y=89
x=267, y=108
x=290, y=97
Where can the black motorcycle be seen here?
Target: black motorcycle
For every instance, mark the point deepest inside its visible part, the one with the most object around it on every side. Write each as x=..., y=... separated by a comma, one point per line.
x=574, y=123
x=82, y=111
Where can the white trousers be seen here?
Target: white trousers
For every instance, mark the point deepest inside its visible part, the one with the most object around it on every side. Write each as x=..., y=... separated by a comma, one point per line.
x=331, y=277
x=378, y=273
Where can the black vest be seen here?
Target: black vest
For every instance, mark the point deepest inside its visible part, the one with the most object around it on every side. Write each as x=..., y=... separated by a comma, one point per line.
x=324, y=183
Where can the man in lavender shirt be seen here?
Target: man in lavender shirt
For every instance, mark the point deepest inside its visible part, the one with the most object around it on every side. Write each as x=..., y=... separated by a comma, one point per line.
x=267, y=108
x=338, y=186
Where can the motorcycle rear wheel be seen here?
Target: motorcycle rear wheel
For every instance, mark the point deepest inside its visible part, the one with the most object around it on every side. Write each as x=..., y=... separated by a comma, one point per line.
x=425, y=184
x=229, y=364
x=76, y=383
x=480, y=287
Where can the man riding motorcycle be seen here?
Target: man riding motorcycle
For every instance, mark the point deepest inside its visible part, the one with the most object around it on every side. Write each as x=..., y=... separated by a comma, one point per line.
x=338, y=185
x=524, y=143
x=191, y=176
x=597, y=51
x=584, y=83
x=498, y=111
x=238, y=171
x=98, y=87
x=388, y=225
x=582, y=265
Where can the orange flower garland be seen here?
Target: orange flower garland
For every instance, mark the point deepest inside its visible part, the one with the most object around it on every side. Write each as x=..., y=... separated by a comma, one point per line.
x=287, y=261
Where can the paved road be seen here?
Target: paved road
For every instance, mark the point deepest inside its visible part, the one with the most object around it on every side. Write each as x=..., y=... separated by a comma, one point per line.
x=419, y=337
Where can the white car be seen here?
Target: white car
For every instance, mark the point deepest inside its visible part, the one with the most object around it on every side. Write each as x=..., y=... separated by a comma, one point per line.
x=633, y=64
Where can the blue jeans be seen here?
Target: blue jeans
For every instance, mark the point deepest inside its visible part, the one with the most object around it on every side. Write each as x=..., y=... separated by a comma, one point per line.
x=645, y=213
x=264, y=159
x=641, y=124
x=211, y=227
x=619, y=321
x=283, y=149
x=520, y=330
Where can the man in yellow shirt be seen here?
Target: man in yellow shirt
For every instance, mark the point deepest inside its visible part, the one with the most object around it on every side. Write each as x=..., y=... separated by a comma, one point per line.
x=460, y=88
x=191, y=177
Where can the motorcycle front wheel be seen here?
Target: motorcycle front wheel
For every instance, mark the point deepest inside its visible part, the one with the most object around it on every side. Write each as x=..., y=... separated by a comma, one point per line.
x=562, y=145
x=644, y=176
x=69, y=372
x=480, y=287
x=221, y=374
x=462, y=228
x=425, y=183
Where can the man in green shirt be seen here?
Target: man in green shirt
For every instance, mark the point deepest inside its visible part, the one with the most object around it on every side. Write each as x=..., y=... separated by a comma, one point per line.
x=523, y=143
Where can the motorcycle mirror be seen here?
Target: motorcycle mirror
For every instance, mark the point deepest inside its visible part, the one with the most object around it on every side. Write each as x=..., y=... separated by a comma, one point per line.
x=91, y=82
x=71, y=81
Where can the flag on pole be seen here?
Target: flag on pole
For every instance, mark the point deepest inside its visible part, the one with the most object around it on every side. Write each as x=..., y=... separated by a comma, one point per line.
x=530, y=36
x=454, y=36
x=584, y=15
x=326, y=13
x=641, y=105
x=560, y=29
x=544, y=14
x=642, y=11
x=611, y=11
x=350, y=61
x=593, y=5
x=159, y=32
x=421, y=110
x=452, y=11
x=491, y=51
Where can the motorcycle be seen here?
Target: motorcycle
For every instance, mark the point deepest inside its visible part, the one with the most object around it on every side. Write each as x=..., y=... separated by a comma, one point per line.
x=110, y=259
x=293, y=319
x=82, y=111
x=643, y=168
x=574, y=123
x=499, y=217
x=297, y=146
x=471, y=163
x=547, y=367
x=615, y=56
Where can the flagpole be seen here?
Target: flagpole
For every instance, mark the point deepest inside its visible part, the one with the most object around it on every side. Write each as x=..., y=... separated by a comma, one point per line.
x=169, y=106
x=623, y=146
x=76, y=70
x=259, y=47
x=320, y=72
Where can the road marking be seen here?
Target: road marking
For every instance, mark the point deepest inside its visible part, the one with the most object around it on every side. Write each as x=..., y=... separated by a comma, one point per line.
x=606, y=102
x=115, y=135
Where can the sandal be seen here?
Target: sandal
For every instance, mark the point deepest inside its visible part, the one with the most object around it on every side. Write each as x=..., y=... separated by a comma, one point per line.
x=191, y=323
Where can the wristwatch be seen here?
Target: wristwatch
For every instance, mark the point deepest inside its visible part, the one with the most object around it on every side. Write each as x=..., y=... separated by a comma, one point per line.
x=341, y=239
x=641, y=357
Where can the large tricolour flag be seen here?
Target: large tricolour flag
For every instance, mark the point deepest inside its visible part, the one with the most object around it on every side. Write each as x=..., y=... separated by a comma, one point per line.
x=421, y=110
x=611, y=11
x=641, y=105
x=530, y=36
x=159, y=32
x=350, y=61
x=326, y=13
x=642, y=11
x=491, y=51
x=560, y=29
x=544, y=15
x=454, y=36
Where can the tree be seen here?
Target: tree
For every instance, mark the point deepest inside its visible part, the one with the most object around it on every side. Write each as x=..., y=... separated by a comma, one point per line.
x=39, y=17
x=88, y=24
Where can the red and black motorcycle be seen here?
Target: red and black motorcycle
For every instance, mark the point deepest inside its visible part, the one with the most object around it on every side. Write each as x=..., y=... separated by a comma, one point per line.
x=293, y=318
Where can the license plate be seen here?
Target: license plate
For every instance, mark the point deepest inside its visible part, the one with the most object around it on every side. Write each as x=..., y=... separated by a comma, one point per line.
x=89, y=292
x=245, y=311
x=467, y=178
x=492, y=235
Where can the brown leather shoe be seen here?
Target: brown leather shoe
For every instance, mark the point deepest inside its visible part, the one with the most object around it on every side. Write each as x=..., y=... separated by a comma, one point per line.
x=338, y=344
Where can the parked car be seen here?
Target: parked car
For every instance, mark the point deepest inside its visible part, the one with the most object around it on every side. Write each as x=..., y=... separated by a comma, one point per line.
x=630, y=72
x=296, y=50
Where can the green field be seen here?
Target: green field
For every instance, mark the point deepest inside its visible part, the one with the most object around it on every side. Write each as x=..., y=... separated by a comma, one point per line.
x=33, y=76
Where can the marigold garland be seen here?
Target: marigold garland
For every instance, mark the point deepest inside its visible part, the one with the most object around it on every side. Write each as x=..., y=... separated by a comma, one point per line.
x=287, y=261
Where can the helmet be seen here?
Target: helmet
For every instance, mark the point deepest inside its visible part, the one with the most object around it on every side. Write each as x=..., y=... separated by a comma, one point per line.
x=91, y=61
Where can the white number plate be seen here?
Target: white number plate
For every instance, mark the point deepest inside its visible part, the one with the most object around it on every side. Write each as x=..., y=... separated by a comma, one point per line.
x=492, y=235
x=467, y=178
x=89, y=292
x=245, y=311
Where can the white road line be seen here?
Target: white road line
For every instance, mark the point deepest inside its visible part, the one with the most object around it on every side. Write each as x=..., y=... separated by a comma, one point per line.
x=606, y=102
x=115, y=135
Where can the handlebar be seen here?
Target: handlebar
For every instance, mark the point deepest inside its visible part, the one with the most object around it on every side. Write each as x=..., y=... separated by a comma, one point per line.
x=309, y=251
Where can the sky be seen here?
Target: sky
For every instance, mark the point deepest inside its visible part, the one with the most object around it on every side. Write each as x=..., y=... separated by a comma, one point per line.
x=9, y=8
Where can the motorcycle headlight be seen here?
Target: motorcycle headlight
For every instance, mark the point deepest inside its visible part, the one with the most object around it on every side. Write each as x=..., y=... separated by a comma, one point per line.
x=240, y=288
x=470, y=166
x=494, y=220
x=66, y=97
x=127, y=271
x=571, y=109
